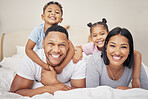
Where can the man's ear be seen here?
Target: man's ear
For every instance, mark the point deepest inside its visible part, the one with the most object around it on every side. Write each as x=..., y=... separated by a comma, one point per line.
x=42, y=16
x=43, y=43
x=61, y=20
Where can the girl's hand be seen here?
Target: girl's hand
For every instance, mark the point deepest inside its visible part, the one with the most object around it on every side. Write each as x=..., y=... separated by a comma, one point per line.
x=78, y=55
x=136, y=83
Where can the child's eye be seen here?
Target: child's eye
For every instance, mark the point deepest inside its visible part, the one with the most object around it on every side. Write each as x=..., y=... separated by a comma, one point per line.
x=94, y=35
x=49, y=11
x=57, y=12
x=102, y=33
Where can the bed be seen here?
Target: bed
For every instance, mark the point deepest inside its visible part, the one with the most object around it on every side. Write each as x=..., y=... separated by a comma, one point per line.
x=12, y=51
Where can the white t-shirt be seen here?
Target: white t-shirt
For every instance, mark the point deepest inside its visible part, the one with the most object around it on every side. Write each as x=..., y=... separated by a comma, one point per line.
x=32, y=71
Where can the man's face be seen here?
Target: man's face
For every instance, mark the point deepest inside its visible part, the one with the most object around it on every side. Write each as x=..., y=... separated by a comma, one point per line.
x=55, y=46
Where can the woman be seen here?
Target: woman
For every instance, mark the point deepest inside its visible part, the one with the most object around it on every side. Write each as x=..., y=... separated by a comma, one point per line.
x=115, y=67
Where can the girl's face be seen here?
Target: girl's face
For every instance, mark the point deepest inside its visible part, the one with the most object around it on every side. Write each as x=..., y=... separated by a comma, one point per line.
x=52, y=14
x=98, y=36
x=117, y=50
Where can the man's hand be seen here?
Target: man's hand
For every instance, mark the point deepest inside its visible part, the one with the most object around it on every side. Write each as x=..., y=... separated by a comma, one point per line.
x=136, y=83
x=48, y=77
x=59, y=87
x=123, y=87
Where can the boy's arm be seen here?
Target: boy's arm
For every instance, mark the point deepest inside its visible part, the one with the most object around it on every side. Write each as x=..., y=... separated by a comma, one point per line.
x=136, y=69
x=33, y=56
x=67, y=59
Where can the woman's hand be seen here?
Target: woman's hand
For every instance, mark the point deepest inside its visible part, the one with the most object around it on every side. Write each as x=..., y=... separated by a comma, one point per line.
x=123, y=87
x=136, y=83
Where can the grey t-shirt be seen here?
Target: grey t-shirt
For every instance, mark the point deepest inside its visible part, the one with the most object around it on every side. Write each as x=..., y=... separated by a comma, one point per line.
x=96, y=74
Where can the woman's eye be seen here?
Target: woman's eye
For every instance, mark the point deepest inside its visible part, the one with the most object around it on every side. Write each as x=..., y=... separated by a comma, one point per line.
x=112, y=45
x=123, y=47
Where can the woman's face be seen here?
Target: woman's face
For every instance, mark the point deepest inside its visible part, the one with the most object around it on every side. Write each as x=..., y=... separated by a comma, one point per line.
x=117, y=50
x=98, y=35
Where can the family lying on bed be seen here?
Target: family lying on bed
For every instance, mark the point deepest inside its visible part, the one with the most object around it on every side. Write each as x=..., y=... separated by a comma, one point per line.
x=57, y=66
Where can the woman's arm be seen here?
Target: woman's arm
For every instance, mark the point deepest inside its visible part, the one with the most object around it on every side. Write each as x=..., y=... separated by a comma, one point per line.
x=69, y=56
x=136, y=70
x=33, y=56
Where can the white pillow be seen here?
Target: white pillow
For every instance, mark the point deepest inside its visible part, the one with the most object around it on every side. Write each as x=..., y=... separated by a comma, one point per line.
x=12, y=63
x=20, y=50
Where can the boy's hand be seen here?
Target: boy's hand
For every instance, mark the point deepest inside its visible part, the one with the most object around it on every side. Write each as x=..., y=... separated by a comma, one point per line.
x=46, y=67
x=78, y=55
x=136, y=83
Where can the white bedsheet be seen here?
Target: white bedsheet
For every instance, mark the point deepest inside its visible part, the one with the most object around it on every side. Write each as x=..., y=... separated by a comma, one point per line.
x=7, y=74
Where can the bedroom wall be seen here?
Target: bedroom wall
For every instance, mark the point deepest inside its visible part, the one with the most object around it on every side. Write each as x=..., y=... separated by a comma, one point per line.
x=16, y=15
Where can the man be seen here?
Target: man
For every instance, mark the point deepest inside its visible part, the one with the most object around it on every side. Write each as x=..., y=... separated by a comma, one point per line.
x=31, y=79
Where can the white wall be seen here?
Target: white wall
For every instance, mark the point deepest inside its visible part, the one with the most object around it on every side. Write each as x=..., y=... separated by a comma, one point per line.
x=18, y=15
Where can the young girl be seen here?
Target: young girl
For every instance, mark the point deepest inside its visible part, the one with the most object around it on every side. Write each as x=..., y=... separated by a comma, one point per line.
x=52, y=14
x=98, y=34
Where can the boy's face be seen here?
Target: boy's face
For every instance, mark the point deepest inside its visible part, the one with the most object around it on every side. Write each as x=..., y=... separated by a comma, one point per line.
x=55, y=46
x=52, y=14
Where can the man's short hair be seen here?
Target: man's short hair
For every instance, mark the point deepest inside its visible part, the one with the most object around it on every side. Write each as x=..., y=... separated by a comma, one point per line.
x=57, y=28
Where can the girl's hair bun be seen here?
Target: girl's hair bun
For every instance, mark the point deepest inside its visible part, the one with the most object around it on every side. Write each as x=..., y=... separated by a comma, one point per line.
x=89, y=24
x=104, y=20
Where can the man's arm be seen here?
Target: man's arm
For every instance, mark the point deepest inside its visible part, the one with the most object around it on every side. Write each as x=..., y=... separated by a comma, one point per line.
x=78, y=83
x=23, y=87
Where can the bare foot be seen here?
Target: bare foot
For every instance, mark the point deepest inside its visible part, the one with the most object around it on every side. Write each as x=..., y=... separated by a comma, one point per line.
x=66, y=27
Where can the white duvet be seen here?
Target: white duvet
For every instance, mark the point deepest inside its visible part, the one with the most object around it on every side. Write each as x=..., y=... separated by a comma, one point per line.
x=10, y=65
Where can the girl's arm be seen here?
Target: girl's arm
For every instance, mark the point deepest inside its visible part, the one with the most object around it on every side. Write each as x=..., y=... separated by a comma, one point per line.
x=67, y=59
x=78, y=54
x=33, y=56
x=136, y=71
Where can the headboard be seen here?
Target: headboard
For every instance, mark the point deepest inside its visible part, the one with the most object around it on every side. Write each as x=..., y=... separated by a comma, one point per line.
x=9, y=41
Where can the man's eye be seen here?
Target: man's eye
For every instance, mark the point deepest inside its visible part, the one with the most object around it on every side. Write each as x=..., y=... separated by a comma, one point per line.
x=61, y=45
x=50, y=44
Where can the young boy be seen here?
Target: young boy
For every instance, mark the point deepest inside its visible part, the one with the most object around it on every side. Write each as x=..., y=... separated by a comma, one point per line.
x=52, y=15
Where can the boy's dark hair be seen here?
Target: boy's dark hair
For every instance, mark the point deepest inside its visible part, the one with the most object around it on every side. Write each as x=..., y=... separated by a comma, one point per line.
x=103, y=22
x=53, y=2
x=57, y=28
x=124, y=32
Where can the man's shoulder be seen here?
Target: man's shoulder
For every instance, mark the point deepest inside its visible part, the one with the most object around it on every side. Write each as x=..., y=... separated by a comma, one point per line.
x=80, y=63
